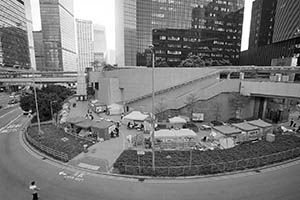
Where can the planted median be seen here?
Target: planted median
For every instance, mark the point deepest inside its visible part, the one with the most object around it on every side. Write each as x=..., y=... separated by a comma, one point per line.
x=196, y=162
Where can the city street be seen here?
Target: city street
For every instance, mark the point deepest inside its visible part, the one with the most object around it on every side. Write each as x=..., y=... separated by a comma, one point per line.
x=18, y=168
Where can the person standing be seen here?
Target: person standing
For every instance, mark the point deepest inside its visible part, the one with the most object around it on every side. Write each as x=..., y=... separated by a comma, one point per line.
x=292, y=122
x=34, y=190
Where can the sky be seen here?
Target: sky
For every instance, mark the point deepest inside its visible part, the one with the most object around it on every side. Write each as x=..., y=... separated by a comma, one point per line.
x=103, y=12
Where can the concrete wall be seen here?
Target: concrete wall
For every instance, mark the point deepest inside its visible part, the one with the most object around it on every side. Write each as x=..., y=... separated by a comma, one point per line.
x=137, y=82
x=267, y=88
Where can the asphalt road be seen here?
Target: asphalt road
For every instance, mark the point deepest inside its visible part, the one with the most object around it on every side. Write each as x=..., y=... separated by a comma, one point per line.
x=18, y=168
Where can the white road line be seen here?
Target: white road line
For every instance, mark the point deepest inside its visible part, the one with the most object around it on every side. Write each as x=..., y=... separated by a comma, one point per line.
x=8, y=112
x=10, y=122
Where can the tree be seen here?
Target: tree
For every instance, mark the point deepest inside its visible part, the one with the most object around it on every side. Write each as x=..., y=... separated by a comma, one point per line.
x=192, y=61
x=47, y=97
x=191, y=99
x=237, y=102
x=161, y=63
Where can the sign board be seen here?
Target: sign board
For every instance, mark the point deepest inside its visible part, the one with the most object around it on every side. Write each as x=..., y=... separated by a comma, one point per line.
x=290, y=61
x=197, y=116
x=140, y=152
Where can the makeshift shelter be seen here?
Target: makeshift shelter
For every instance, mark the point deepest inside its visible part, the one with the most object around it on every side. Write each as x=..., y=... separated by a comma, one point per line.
x=251, y=132
x=136, y=116
x=115, y=109
x=75, y=120
x=265, y=128
x=226, y=142
x=227, y=131
x=175, y=139
x=176, y=122
x=98, y=129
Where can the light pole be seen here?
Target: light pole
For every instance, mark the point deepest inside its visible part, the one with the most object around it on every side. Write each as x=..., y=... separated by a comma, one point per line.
x=153, y=124
x=51, y=108
x=36, y=103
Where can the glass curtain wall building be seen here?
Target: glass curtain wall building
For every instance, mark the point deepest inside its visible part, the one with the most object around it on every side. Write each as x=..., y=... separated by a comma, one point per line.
x=84, y=43
x=140, y=17
x=14, y=48
x=100, y=47
x=58, y=28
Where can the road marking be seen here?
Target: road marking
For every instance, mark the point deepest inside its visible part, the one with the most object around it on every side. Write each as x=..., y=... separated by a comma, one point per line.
x=77, y=176
x=8, y=112
x=7, y=125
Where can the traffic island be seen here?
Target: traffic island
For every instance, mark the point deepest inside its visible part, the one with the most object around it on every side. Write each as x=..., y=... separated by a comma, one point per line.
x=175, y=163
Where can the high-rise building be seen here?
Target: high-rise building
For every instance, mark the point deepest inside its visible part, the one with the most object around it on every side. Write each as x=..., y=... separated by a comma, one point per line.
x=111, y=56
x=58, y=28
x=287, y=21
x=137, y=19
x=14, y=48
x=39, y=49
x=85, y=44
x=281, y=38
x=262, y=23
x=29, y=32
x=100, y=47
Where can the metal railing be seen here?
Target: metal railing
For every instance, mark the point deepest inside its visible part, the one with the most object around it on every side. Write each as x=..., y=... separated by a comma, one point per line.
x=211, y=168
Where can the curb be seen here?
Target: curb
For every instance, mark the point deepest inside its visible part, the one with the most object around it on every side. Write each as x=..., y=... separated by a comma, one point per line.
x=34, y=152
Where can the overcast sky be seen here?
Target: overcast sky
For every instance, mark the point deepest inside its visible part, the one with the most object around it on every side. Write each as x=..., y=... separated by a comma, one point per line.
x=103, y=12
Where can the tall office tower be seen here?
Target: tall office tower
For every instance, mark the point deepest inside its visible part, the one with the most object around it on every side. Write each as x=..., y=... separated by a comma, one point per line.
x=99, y=43
x=14, y=48
x=39, y=50
x=58, y=28
x=85, y=43
x=287, y=20
x=262, y=23
x=136, y=20
x=284, y=47
x=29, y=32
x=111, y=57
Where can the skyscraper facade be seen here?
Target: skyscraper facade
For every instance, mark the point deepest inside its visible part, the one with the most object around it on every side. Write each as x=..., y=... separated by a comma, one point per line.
x=262, y=23
x=30, y=33
x=287, y=21
x=85, y=43
x=282, y=38
x=58, y=28
x=139, y=18
x=14, y=48
x=39, y=49
x=100, y=46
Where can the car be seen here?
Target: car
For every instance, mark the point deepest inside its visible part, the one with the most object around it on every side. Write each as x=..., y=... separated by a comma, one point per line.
x=27, y=112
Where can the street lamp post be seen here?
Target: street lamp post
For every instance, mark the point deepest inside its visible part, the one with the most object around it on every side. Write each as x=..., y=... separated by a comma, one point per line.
x=51, y=108
x=36, y=104
x=153, y=124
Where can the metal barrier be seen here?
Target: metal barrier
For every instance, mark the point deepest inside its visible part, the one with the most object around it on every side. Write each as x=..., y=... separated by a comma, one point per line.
x=211, y=168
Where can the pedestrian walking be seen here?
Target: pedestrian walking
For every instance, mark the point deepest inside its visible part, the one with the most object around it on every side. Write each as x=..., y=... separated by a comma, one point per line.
x=292, y=122
x=34, y=190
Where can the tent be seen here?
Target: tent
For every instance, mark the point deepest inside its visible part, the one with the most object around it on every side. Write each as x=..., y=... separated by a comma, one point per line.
x=226, y=142
x=252, y=132
x=181, y=133
x=177, y=120
x=136, y=116
x=265, y=127
x=115, y=109
x=75, y=120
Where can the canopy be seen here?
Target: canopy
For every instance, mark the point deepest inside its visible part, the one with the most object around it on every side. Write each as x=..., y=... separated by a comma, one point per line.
x=177, y=120
x=226, y=142
x=115, y=109
x=94, y=124
x=75, y=120
x=226, y=130
x=136, y=115
x=245, y=126
x=260, y=123
x=166, y=133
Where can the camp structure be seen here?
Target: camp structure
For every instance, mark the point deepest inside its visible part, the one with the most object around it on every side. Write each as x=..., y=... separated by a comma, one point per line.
x=96, y=129
x=176, y=122
x=227, y=131
x=115, y=109
x=175, y=139
x=249, y=132
x=136, y=116
x=265, y=128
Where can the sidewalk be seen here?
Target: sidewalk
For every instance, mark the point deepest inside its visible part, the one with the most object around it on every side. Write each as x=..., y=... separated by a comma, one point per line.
x=100, y=156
